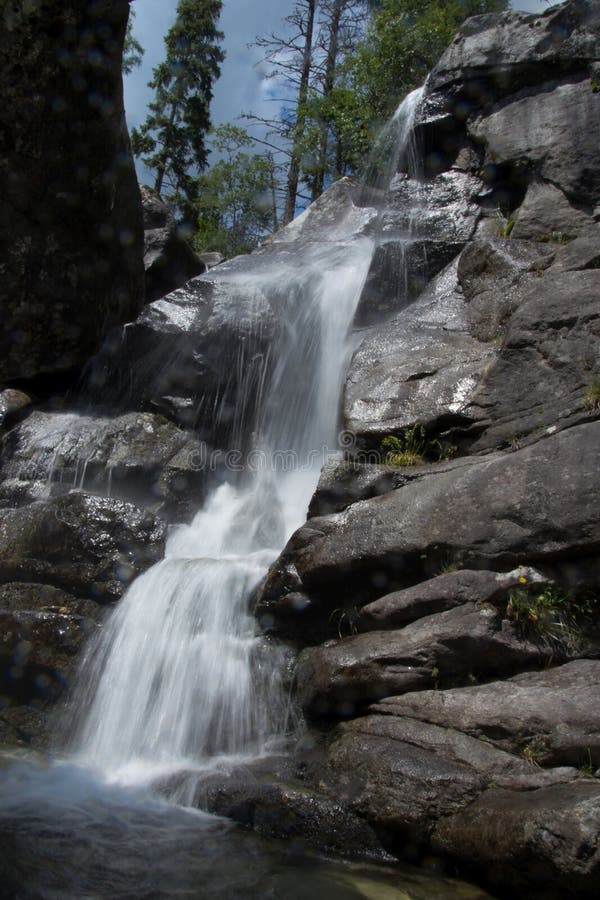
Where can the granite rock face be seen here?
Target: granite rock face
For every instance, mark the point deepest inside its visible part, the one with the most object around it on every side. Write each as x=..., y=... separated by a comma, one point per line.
x=71, y=219
x=169, y=261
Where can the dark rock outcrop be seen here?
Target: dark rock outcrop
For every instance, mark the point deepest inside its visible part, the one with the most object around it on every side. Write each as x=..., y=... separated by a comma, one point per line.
x=70, y=220
x=138, y=457
x=88, y=546
x=169, y=260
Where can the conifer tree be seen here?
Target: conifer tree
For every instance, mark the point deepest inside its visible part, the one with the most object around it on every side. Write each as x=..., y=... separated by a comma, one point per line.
x=171, y=142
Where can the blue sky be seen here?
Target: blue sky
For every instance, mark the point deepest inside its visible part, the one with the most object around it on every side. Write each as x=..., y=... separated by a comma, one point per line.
x=241, y=87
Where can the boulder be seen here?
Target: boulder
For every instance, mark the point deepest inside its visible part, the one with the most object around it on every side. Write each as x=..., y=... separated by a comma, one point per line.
x=169, y=260
x=539, y=129
x=339, y=678
x=546, y=212
x=139, y=457
x=444, y=592
x=549, y=717
x=89, y=546
x=535, y=506
x=404, y=776
x=12, y=402
x=540, y=844
x=495, y=54
x=70, y=222
x=343, y=482
x=547, y=364
x=422, y=365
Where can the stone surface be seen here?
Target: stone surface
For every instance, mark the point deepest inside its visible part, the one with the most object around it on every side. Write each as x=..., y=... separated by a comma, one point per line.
x=12, y=402
x=540, y=128
x=550, y=717
x=422, y=365
x=37, y=655
x=339, y=678
x=545, y=211
x=533, y=506
x=498, y=53
x=169, y=261
x=139, y=457
x=89, y=546
x=403, y=775
x=442, y=593
x=541, y=843
x=70, y=220
x=344, y=482
x=547, y=363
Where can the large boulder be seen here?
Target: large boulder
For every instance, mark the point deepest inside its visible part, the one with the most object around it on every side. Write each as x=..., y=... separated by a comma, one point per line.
x=534, y=506
x=70, y=220
x=169, y=260
x=88, y=546
x=139, y=457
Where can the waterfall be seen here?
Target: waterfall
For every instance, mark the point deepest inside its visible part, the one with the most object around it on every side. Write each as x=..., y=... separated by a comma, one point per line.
x=179, y=676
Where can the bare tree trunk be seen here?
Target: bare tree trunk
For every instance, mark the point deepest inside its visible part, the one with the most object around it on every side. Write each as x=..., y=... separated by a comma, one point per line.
x=294, y=168
x=328, y=83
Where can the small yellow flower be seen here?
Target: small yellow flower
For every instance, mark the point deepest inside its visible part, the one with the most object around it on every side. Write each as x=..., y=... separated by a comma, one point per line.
x=522, y=580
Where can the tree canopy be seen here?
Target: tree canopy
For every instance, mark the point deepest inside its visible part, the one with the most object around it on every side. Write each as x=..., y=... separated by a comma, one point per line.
x=171, y=141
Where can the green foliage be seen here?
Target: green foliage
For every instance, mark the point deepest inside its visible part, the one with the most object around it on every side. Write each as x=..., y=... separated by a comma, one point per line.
x=408, y=449
x=171, y=142
x=551, y=613
x=235, y=197
x=591, y=400
x=556, y=237
x=133, y=51
x=504, y=224
x=404, y=41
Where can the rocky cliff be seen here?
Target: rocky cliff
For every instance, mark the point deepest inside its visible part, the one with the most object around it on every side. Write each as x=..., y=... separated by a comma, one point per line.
x=442, y=598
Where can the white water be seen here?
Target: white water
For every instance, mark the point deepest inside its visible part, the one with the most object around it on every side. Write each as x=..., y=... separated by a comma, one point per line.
x=180, y=677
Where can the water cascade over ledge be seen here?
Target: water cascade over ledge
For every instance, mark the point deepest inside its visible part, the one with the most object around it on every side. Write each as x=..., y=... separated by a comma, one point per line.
x=179, y=677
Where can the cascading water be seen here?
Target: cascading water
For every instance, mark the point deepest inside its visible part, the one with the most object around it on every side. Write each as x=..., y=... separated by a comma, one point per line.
x=180, y=677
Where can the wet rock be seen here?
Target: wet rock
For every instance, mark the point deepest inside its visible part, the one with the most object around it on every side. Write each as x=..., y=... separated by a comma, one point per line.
x=549, y=717
x=494, y=275
x=540, y=843
x=442, y=593
x=24, y=727
x=139, y=457
x=43, y=598
x=12, y=402
x=421, y=366
x=268, y=796
x=582, y=253
x=531, y=506
x=169, y=260
x=422, y=227
x=37, y=655
x=89, y=546
x=339, y=678
x=70, y=222
x=344, y=482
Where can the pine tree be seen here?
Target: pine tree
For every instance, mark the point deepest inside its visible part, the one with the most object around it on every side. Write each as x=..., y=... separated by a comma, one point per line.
x=133, y=51
x=171, y=142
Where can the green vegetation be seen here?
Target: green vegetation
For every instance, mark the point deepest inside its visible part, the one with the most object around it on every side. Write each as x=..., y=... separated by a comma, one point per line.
x=550, y=613
x=236, y=203
x=557, y=237
x=504, y=224
x=346, y=620
x=591, y=400
x=408, y=449
x=171, y=142
x=133, y=52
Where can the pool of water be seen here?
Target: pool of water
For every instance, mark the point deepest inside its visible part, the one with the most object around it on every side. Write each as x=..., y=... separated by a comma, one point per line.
x=66, y=834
